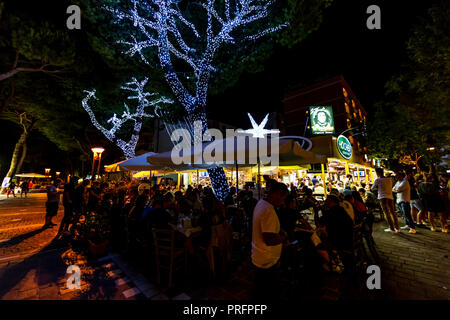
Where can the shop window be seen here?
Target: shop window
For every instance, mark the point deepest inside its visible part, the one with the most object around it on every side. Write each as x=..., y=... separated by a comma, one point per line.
x=353, y=103
x=347, y=108
x=360, y=115
x=344, y=92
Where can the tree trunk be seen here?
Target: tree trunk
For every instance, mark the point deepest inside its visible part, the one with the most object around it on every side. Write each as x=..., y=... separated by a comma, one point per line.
x=24, y=153
x=216, y=174
x=15, y=157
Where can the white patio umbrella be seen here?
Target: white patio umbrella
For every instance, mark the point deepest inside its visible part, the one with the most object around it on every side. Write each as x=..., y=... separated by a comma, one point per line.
x=226, y=151
x=138, y=163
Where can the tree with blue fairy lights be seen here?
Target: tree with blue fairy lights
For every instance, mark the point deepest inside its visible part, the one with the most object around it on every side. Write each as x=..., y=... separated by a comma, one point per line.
x=185, y=40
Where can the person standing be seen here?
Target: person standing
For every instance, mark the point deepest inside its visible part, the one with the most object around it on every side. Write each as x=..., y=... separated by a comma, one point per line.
x=11, y=189
x=68, y=199
x=403, y=191
x=267, y=241
x=79, y=202
x=431, y=199
x=52, y=204
x=24, y=188
x=384, y=187
x=417, y=211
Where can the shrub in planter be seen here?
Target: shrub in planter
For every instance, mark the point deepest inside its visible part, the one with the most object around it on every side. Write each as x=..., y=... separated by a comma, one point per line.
x=93, y=233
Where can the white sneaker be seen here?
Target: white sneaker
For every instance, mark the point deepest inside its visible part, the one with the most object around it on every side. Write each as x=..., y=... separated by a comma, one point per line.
x=388, y=230
x=404, y=228
x=413, y=231
x=397, y=231
x=433, y=229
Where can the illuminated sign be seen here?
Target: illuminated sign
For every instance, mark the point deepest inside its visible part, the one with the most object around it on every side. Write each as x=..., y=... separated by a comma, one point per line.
x=322, y=121
x=344, y=147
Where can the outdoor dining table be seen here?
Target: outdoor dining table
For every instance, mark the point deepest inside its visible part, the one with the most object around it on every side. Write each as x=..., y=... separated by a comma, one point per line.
x=187, y=232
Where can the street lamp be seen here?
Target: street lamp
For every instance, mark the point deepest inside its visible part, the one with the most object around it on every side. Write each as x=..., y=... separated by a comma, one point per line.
x=57, y=174
x=97, y=154
x=47, y=171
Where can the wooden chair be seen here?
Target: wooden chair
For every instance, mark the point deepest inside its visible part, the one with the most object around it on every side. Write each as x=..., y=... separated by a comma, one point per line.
x=168, y=256
x=357, y=253
x=358, y=246
x=221, y=241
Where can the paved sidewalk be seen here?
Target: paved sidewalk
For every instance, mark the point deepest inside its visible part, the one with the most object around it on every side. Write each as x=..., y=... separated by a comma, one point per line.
x=414, y=266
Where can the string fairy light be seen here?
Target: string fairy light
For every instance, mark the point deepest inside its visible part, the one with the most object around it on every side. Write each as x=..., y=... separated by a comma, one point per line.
x=161, y=24
x=128, y=148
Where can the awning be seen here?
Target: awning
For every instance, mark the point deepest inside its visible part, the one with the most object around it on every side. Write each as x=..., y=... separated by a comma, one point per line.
x=246, y=148
x=138, y=163
x=31, y=175
x=113, y=167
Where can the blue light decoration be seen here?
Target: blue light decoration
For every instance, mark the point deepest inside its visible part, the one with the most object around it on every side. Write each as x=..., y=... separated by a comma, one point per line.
x=128, y=148
x=160, y=24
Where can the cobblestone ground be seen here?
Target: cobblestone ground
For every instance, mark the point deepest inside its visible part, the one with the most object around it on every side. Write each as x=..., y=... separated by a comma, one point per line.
x=33, y=265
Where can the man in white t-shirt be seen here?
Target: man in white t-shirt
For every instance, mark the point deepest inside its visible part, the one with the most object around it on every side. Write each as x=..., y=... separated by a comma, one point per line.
x=267, y=242
x=384, y=187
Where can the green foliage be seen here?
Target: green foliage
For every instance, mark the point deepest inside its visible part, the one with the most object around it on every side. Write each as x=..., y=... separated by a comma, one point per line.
x=415, y=113
x=94, y=229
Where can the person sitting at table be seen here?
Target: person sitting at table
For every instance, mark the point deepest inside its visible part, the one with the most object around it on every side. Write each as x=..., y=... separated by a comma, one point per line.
x=308, y=200
x=359, y=206
x=288, y=216
x=158, y=216
x=338, y=225
x=197, y=205
x=248, y=203
x=318, y=189
x=229, y=198
x=346, y=203
x=340, y=186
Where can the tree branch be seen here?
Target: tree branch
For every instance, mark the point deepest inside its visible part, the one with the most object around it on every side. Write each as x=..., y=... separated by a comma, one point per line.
x=16, y=70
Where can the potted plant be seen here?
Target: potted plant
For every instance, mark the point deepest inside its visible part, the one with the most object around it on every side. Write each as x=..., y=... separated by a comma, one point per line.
x=93, y=233
x=98, y=234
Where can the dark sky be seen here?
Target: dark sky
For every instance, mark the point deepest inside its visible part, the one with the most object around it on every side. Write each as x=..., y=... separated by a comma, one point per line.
x=342, y=46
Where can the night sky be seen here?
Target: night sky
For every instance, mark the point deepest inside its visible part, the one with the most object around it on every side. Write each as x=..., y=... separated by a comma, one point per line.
x=342, y=46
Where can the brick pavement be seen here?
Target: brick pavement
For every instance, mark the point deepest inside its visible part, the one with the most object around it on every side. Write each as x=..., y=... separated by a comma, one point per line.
x=414, y=266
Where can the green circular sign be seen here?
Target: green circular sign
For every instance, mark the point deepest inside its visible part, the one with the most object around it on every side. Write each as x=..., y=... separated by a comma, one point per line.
x=344, y=147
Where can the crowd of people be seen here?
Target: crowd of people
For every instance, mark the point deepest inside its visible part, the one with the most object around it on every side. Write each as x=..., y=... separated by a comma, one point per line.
x=271, y=228
x=24, y=185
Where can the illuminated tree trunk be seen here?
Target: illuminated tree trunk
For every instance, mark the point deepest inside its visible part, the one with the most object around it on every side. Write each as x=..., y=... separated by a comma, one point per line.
x=22, y=157
x=20, y=149
x=15, y=157
x=163, y=25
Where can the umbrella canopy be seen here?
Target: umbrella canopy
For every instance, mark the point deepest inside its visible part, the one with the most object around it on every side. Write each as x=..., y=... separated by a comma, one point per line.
x=291, y=153
x=31, y=175
x=245, y=148
x=113, y=167
x=138, y=163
